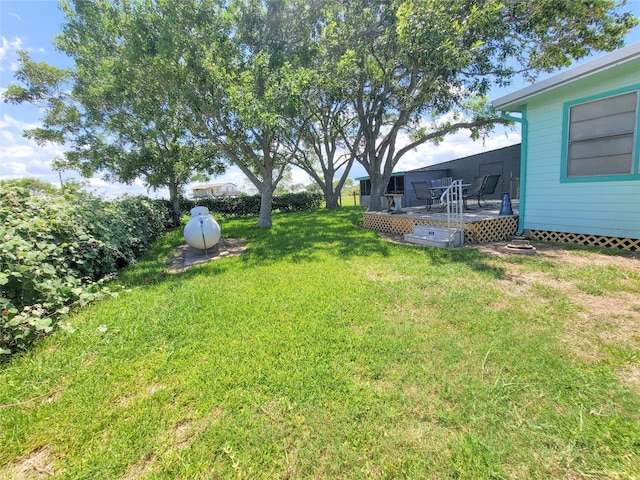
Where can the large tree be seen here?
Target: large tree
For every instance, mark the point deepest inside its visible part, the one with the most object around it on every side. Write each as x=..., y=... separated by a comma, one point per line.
x=128, y=75
x=325, y=152
x=46, y=87
x=421, y=68
x=247, y=77
x=123, y=116
x=328, y=126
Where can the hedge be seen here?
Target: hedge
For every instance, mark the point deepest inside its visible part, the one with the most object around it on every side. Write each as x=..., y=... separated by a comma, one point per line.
x=57, y=249
x=249, y=205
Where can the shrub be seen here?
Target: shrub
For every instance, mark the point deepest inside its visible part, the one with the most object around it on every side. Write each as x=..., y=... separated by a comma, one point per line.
x=249, y=205
x=56, y=250
x=297, y=202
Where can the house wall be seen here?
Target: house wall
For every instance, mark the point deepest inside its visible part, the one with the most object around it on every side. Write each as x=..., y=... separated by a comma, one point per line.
x=607, y=207
x=215, y=190
x=503, y=161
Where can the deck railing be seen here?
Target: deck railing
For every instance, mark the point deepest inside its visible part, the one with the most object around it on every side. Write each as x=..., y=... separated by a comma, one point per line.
x=452, y=197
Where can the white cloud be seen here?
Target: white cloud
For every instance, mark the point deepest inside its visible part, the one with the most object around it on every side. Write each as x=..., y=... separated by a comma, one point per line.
x=6, y=137
x=8, y=121
x=454, y=145
x=8, y=47
x=21, y=157
x=14, y=15
x=105, y=189
x=300, y=177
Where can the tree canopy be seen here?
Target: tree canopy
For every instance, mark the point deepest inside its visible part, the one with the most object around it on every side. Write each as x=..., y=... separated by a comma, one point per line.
x=164, y=89
x=422, y=68
x=123, y=116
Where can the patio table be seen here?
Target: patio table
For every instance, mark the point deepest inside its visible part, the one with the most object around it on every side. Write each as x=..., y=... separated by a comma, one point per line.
x=394, y=202
x=438, y=191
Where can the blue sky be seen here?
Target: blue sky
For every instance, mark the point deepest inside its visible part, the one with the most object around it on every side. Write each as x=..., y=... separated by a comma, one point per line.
x=31, y=25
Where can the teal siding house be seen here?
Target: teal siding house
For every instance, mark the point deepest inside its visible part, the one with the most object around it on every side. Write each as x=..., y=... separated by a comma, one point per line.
x=580, y=177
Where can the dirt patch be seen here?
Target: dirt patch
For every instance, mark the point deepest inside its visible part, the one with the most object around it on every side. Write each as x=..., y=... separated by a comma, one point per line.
x=37, y=465
x=182, y=434
x=580, y=258
x=630, y=376
x=127, y=400
x=143, y=467
x=187, y=256
x=603, y=322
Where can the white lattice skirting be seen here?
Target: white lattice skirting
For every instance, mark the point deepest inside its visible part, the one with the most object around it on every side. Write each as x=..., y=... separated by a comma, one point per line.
x=583, y=239
x=482, y=231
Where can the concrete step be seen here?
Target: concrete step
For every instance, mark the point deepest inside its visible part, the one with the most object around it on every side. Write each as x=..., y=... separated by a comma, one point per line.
x=434, y=236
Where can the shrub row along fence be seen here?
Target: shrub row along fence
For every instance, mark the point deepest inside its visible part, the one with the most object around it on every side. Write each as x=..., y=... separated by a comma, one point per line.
x=57, y=249
x=250, y=205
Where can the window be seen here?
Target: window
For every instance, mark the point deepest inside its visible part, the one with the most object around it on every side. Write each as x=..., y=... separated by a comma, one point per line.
x=365, y=187
x=602, y=137
x=395, y=185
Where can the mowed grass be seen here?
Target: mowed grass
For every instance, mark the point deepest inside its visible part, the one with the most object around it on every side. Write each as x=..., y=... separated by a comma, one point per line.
x=327, y=352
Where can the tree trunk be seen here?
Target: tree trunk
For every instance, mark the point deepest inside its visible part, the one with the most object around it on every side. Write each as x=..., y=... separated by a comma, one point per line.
x=331, y=198
x=175, y=203
x=266, y=203
x=377, y=189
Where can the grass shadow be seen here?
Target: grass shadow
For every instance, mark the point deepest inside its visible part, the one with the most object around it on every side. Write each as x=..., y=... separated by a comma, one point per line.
x=301, y=237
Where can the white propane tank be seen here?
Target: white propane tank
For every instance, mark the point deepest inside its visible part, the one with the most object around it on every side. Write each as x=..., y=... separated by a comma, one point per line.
x=201, y=231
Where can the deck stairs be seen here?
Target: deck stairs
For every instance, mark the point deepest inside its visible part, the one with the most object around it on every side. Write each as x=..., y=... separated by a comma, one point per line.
x=451, y=235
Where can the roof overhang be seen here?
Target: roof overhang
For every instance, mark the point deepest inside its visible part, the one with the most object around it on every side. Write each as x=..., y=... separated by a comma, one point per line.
x=394, y=174
x=514, y=101
x=211, y=185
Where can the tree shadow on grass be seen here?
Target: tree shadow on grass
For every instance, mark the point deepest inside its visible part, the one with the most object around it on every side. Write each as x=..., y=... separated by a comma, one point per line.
x=305, y=237
x=474, y=259
x=302, y=237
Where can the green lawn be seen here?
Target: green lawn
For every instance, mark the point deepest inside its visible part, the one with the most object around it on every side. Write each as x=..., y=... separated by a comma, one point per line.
x=326, y=352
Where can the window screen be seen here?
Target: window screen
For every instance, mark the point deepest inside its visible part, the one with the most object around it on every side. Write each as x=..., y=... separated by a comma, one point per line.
x=365, y=187
x=602, y=136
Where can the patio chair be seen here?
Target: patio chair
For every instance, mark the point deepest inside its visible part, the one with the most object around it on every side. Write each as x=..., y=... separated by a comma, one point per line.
x=422, y=192
x=438, y=187
x=474, y=190
x=490, y=184
x=481, y=186
x=436, y=190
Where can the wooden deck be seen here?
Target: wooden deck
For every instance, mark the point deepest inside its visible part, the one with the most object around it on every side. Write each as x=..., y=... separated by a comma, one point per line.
x=480, y=225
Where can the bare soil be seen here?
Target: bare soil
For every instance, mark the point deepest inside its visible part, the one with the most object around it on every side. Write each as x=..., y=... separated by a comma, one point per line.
x=187, y=256
x=604, y=321
x=36, y=465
